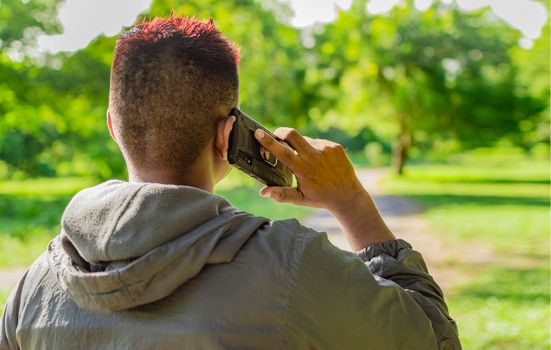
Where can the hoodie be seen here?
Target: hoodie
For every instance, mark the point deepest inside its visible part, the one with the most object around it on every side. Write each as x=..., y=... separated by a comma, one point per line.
x=142, y=265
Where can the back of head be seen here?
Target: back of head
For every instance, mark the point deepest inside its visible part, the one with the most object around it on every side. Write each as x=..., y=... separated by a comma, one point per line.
x=171, y=81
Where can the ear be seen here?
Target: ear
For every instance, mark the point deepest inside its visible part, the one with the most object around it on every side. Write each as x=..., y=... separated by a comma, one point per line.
x=222, y=137
x=110, y=125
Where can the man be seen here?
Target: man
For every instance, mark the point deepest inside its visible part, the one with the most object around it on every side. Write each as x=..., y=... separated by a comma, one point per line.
x=161, y=262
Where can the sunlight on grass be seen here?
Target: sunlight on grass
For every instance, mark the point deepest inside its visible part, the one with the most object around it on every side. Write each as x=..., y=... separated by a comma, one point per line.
x=506, y=207
x=22, y=252
x=504, y=309
x=518, y=229
x=493, y=205
x=242, y=192
x=247, y=199
x=46, y=187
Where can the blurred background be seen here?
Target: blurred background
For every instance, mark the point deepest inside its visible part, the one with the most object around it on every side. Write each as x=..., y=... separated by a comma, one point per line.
x=443, y=107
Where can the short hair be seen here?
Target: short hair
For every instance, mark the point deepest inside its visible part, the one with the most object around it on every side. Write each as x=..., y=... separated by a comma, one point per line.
x=171, y=81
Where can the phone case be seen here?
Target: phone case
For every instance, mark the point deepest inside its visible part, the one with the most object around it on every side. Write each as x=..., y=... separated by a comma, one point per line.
x=246, y=154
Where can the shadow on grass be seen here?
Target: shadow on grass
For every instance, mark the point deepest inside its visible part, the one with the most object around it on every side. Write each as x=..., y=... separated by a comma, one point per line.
x=504, y=309
x=408, y=204
x=19, y=215
x=479, y=180
x=392, y=205
x=439, y=200
x=523, y=286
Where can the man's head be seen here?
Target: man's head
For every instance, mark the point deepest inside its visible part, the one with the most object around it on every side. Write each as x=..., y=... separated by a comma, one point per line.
x=172, y=82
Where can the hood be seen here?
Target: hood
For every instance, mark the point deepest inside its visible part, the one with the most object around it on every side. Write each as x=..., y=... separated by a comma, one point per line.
x=125, y=244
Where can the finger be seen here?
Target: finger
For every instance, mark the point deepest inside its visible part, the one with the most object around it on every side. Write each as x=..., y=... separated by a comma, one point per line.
x=309, y=139
x=263, y=190
x=283, y=194
x=295, y=139
x=281, y=151
x=321, y=144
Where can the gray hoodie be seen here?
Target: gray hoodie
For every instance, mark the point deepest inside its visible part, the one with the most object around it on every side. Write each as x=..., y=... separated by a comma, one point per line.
x=150, y=266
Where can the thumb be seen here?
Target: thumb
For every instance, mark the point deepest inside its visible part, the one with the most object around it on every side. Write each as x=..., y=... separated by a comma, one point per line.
x=283, y=194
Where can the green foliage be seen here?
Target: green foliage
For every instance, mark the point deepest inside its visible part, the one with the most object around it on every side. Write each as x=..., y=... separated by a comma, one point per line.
x=242, y=192
x=447, y=78
x=54, y=116
x=447, y=74
x=20, y=21
x=534, y=77
x=247, y=199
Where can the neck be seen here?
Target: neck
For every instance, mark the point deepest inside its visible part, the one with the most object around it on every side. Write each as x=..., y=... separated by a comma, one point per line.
x=199, y=179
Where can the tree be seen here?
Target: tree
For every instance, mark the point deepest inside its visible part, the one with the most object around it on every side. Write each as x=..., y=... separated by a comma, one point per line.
x=21, y=21
x=20, y=139
x=534, y=76
x=444, y=72
x=413, y=77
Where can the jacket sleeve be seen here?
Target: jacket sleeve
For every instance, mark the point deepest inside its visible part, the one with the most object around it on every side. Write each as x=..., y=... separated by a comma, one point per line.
x=9, y=320
x=387, y=302
x=396, y=261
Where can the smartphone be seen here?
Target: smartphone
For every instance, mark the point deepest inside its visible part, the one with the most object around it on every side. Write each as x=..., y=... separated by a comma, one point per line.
x=246, y=154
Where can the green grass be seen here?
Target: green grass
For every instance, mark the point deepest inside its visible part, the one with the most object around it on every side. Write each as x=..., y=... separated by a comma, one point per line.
x=29, y=216
x=504, y=309
x=505, y=207
x=242, y=192
x=247, y=199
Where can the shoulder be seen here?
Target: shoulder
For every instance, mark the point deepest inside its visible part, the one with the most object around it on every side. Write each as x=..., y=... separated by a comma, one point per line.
x=31, y=282
x=292, y=236
x=292, y=229
x=310, y=257
x=310, y=244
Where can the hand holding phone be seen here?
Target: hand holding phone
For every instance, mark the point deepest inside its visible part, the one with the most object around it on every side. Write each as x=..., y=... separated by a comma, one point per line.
x=325, y=176
x=325, y=179
x=246, y=154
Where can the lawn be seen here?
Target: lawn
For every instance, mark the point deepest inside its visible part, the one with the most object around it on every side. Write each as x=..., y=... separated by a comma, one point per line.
x=30, y=211
x=505, y=207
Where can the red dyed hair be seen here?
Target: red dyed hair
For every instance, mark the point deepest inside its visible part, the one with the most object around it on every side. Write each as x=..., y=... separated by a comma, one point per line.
x=161, y=28
x=171, y=80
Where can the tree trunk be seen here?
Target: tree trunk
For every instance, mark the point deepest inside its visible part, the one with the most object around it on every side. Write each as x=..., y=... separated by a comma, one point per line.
x=402, y=146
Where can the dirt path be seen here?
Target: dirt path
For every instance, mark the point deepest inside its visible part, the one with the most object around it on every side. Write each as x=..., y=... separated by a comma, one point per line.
x=404, y=218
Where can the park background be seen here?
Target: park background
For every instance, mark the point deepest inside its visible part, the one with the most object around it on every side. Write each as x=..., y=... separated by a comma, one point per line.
x=449, y=98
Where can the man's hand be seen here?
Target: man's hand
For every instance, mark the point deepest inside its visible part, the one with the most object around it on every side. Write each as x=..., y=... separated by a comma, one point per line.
x=325, y=176
x=325, y=179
